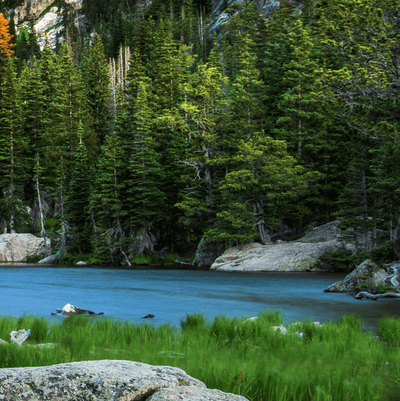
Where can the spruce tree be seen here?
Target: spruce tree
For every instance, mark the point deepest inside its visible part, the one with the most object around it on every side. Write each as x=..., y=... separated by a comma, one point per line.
x=265, y=179
x=145, y=199
x=109, y=238
x=205, y=108
x=98, y=90
x=78, y=198
x=11, y=147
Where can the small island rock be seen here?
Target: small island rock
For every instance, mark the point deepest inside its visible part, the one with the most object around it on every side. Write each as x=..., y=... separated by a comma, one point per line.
x=370, y=281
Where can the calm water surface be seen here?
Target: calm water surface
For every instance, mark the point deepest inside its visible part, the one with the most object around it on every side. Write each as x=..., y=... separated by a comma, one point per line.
x=171, y=294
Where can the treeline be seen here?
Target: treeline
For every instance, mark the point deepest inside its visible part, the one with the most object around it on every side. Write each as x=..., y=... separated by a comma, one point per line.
x=176, y=135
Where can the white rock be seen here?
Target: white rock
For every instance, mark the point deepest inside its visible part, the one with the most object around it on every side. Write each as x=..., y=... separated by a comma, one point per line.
x=48, y=21
x=20, y=336
x=68, y=308
x=81, y=263
x=17, y=247
x=282, y=328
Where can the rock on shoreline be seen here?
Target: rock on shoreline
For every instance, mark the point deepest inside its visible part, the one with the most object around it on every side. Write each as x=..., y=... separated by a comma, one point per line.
x=105, y=380
x=17, y=247
x=290, y=256
x=370, y=281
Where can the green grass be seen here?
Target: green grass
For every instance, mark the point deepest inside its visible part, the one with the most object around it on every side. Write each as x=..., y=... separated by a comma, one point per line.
x=337, y=361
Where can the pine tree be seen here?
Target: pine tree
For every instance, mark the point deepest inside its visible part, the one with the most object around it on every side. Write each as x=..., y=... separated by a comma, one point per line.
x=70, y=109
x=11, y=146
x=98, y=90
x=205, y=108
x=78, y=199
x=144, y=198
x=245, y=94
x=301, y=121
x=109, y=239
x=257, y=191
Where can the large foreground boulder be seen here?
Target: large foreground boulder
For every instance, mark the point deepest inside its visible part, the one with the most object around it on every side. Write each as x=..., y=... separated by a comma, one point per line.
x=105, y=380
x=17, y=247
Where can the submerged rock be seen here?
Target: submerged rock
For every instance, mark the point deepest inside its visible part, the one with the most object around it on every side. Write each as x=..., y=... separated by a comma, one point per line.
x=70, y=309
x=105, y=380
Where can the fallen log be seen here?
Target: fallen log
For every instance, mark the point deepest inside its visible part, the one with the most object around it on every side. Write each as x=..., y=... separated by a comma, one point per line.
x=375, y=297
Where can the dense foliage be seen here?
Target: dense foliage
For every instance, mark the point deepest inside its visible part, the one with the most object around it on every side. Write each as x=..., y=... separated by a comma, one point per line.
x=155, y=133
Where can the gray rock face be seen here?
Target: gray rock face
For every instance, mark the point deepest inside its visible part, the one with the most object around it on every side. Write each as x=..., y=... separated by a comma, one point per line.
x=207, y=251
x=17, y=247
x=103, y=381
x=284, y=256
x=367, y=278
x=30, y=10
x=191, y=393
x=220, y=17
x=48, y=23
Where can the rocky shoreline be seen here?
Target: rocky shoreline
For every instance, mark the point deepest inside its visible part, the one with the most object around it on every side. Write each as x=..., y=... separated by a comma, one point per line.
x=370, y=281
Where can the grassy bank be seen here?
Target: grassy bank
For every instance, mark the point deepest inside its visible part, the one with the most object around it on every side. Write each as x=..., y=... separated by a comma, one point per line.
x=337, y=361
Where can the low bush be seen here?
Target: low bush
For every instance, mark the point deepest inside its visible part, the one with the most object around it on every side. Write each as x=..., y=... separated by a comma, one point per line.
x=336, y=361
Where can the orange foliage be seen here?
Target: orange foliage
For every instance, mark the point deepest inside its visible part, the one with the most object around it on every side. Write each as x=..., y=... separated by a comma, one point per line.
x=5, y=37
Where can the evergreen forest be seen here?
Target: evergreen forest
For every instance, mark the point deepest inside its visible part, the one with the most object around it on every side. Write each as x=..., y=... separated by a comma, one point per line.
x=154, y=131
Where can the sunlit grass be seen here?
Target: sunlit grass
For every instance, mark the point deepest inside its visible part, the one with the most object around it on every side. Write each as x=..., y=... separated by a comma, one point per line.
x=337, y=361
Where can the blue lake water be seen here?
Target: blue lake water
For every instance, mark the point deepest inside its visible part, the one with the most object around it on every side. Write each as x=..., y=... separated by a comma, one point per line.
x=171, y=294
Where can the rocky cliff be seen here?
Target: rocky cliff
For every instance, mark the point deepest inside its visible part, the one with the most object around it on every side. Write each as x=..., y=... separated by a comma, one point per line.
x=46, y=16
x=219, y=16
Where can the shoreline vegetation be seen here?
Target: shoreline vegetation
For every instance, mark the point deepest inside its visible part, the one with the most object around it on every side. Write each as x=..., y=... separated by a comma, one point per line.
x=169, y=259
x=329, y=261
x=333, y=361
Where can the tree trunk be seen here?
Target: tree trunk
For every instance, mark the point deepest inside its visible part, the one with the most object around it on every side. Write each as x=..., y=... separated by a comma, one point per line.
x=43, y=231
x=396, y=240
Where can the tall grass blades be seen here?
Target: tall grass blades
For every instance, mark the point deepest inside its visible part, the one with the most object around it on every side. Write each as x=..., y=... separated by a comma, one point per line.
x=333, y=362
x=389, y=331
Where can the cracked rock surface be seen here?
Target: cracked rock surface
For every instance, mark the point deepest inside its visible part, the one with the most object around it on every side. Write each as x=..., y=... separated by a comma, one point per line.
x=290, y=256
x=17, y=247
x=104, y=381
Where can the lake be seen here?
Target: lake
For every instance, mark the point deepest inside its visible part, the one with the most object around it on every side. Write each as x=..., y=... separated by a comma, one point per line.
x=129, y=294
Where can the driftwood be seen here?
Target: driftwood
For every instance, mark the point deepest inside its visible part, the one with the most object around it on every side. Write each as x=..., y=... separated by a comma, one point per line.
x=178, y=262
x=375, y=297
